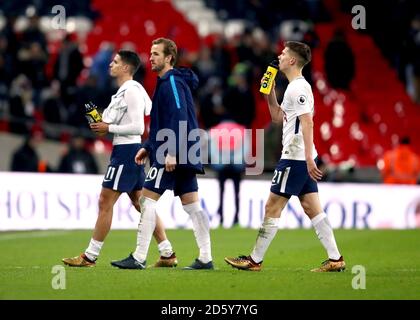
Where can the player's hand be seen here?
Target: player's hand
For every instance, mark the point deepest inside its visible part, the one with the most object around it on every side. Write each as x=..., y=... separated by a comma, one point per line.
x=100, y=128
x=313, y=170
x=272, y=87
x=170, y=163
x=141, y=156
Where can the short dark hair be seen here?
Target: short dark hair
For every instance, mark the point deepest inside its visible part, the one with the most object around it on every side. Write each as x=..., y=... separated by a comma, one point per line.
x=302, y=51
x=131, y=58
x=169, y=48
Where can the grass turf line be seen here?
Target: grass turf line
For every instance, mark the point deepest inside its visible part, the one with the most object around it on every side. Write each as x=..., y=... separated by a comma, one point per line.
x=391, y=259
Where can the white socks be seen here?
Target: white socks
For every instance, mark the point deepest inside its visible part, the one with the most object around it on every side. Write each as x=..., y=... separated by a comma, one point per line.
x=201, y=228
x=265, y=235
x=92, y=252
x=146, y=227
x=165, y=249
x=269, y=229
x=325, y=235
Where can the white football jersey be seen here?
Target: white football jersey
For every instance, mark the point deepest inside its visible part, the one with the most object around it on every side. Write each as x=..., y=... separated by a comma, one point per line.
x=125, y=113
x=298, y=99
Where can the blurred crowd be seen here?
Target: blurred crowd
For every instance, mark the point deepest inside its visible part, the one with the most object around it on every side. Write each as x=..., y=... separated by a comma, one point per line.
x=34, y=90
x=45, y=93
x=395, y=27
x=38, y=93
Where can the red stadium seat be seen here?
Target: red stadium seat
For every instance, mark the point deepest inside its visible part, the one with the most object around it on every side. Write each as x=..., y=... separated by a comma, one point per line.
x=377, y=101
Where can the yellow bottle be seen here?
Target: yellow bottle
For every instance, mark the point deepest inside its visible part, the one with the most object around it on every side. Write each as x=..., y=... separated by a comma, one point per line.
x=269, y=77
x=92, y=114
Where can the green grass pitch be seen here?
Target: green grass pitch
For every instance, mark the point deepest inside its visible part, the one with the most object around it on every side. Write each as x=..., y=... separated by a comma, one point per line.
x=391, y=259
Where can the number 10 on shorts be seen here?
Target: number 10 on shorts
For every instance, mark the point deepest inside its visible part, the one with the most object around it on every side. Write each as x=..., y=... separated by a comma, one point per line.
x=155, y=173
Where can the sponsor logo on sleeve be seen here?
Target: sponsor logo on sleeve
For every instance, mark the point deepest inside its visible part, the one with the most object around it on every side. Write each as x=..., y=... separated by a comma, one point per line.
x=301, y=99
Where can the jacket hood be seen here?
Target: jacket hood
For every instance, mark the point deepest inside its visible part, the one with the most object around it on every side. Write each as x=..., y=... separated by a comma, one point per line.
x=185, y=73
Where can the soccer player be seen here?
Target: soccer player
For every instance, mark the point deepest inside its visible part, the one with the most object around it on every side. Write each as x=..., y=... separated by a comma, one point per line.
x=296, y=172
x=174, y=168
x=124, y=117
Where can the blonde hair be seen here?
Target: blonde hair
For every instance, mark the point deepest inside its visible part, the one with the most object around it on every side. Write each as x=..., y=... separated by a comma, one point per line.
x=169, y=48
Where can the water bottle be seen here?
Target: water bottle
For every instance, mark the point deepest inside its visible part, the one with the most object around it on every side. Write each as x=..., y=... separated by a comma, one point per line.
x=269, y=77
x=92, y=114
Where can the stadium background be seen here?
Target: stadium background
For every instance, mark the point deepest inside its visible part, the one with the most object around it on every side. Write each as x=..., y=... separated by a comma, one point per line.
x=48, y=73
x=355, y=123
x=55, y=58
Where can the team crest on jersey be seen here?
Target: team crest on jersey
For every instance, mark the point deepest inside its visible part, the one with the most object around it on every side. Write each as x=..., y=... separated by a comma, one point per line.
x=301, y=99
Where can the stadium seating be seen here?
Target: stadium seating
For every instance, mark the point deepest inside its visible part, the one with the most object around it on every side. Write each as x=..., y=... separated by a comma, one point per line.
x=376, y=110
x=140, y=22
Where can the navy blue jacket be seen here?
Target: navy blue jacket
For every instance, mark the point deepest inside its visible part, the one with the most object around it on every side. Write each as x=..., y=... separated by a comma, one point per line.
x=173, y=104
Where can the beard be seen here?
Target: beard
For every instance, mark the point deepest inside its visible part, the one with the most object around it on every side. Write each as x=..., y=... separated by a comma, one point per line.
x=158, y=67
